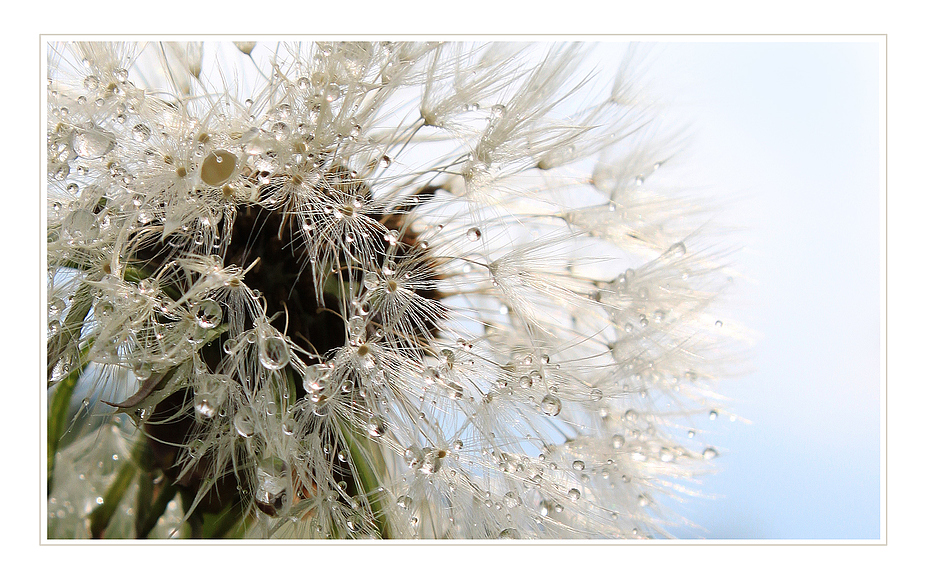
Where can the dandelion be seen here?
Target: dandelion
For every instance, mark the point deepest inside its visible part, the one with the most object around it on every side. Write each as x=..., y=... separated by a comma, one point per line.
x=366, y=290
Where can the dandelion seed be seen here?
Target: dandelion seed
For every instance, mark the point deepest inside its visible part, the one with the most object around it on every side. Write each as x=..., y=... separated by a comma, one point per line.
x=327, y=294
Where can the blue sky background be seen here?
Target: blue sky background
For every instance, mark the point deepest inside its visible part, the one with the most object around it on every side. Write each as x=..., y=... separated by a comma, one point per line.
x=789, y=135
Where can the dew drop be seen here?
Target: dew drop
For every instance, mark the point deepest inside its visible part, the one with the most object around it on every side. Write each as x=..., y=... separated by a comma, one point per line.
x=474, y=234
x=596, y=395
x=331, y=93
x=91, y=83
x=289, y=426
x=56, y=307
x=709, y=453
x=509, y=534
x=456, y=391
x=244, y=423
x=574, y=494
x=273, y=352
x=551, y=405
x=141, y=132
x=677, y=250
x=81, y=224
x=218, y=167
x=376, y=426
x=578, y=465
x=273, y=483
x=208, y=313
x=713, y=415
x=92, y=143
x=618, y=441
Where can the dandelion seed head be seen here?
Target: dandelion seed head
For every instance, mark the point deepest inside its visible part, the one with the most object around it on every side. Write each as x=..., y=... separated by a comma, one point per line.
x=390, y=290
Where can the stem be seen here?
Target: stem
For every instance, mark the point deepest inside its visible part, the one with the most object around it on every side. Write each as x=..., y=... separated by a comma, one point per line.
x=367, y=458
x=101, y=516
x=57, y=413
x=144, y=526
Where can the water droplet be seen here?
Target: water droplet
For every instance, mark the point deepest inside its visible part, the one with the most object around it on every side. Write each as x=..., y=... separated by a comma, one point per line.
x=289, y=426
x=331, y=93
x=596, y=395
x=718, y=324
x=273, y=352
x=474, y=234
x=91, y=83
x=677, y=250
x=92, y=143
x=376, y=426
x=709, y=453
x=210, y=395
x=574, y=494
x=512, y=500
x=578, y=465
x=618, y=441
x=509, y=534
x=643, y=501
x=713, y=415
x=551, y=405
x=56, y=307
x=273, y=483
x=121, y=74
x=456, y=391
x=218, y=167
x=666, y=455
x=141, y=132
x=244, y=422
x=630, y=415
x=280, y=131
x=208, y=313
x=81, y=224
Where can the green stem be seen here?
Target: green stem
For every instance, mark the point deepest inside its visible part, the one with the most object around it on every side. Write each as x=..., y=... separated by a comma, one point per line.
x=102, y=515
x=144, y=526
x=368, y=460
x=57, y=412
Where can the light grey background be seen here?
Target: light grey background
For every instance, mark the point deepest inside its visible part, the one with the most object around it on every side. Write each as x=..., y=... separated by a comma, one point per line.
x=788, y=134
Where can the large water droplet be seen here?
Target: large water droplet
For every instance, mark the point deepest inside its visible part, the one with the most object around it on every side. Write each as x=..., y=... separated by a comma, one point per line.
x=273, y=483
x=218, y=167
x=474, y=234
x=244, y=422
x=92, y=143
x=512, y=500
x=618, y=441
x=81, y=225
x=509, y=534
x=376, y=426
x=208, y=313
x=273, y=352
x=141, y=132
x=551, y=405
